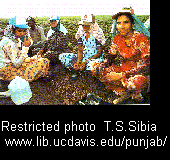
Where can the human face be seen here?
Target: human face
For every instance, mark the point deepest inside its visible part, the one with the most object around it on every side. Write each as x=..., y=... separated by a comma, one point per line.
x=20, y=32
x=53, y=23
x=31, y=24
x=124, y=25
x=86, y=28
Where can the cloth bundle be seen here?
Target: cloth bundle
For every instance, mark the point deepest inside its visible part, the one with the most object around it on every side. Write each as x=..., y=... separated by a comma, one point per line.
x=20, y=90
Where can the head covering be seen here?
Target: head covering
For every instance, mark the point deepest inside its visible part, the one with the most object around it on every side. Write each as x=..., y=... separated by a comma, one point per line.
x=18, y=22
x=95, y=30
x=138, y=25
x=8, y=33
x=86, y=20
x=55, y=18
x=13, y=23
x=30, y=19
x=59, y=27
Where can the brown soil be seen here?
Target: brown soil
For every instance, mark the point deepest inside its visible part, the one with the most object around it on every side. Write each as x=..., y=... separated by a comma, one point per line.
x=61, y=89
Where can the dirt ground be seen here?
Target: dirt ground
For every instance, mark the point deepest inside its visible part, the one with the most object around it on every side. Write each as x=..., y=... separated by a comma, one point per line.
x=61, y=89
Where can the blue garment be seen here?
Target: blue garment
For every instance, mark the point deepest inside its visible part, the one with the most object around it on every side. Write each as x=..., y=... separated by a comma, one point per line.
x=139, y=26
x=90, y=49
x=19, y=22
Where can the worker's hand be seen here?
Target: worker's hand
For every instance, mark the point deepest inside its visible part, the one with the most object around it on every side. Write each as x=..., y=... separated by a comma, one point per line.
x=76, y=65
x=112, y=76
x=82, y=66
x=27, y=41
x=40, y=52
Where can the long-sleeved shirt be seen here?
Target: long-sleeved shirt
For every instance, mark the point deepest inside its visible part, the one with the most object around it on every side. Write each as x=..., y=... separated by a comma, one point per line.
x=37, y=34
x=10, y=52
x=132, y=57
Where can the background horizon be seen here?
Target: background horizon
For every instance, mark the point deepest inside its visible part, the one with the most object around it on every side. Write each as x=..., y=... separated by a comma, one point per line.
x=40, y=8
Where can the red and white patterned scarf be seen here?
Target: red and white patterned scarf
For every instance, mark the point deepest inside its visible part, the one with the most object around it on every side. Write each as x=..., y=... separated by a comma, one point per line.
x=95, y=31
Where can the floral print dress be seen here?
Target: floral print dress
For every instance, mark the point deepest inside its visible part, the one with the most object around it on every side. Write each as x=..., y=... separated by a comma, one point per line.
x=133, y=63
x=13, y=62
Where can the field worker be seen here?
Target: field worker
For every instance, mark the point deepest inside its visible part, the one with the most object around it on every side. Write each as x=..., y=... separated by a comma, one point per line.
x=138, y=25
x=14, y=60
x=55, y=25
x=128, y=74
x=90, y=39
x=37, y=34
x=56, y=44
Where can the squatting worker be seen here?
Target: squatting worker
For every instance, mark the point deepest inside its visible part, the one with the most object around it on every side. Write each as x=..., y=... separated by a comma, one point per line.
x=90, y=38
x=129, y=73
x=36, y=32
x=14, y=60
x=37, y=35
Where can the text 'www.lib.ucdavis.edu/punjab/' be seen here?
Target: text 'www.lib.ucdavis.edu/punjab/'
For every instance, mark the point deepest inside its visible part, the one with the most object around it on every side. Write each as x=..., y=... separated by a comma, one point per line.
x=109, y=128
x=125, y=142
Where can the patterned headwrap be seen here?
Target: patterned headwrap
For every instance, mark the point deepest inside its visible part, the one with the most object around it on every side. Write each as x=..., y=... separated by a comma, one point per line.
x=16, y=22
x=95, y=30
x=8, y=33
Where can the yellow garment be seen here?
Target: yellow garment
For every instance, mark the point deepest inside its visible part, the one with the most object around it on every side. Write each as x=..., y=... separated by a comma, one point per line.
x=15, y=62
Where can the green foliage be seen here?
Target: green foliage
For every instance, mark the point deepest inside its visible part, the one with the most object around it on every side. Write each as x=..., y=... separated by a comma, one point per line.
x=4, y=22
x=143, y=18
x=71, y=24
